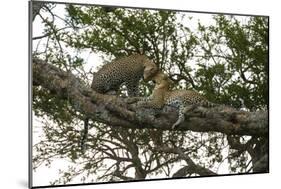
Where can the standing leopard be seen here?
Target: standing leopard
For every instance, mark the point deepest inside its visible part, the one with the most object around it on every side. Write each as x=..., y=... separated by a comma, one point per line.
x=126, y=70
x=184, y=100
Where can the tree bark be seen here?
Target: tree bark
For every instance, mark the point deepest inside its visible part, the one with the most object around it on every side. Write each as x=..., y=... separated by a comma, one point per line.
x=113, y=110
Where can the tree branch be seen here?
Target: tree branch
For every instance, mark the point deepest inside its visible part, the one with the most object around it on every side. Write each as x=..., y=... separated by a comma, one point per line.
x=191, y=167
x=114, y=111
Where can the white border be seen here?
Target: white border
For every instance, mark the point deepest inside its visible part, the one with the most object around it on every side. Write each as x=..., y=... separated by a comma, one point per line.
x=14, y=91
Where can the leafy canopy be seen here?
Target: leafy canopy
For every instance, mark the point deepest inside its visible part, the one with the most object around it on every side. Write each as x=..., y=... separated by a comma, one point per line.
x=227, y=61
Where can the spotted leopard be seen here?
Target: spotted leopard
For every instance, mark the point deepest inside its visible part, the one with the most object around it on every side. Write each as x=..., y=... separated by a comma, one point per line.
x=184, y=100
x=126, y=70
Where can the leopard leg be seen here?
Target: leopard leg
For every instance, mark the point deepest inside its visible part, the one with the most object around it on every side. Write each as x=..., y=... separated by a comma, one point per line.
x=182, y=111
x=150, y=102
x=133, y=87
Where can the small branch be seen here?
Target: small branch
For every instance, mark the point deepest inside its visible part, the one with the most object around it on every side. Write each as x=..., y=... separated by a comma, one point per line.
x=41, y=36
x=191, y=168
x=50, y=33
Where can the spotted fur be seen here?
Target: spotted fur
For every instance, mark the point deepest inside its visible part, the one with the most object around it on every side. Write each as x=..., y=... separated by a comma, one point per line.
x=184, y=100
x=127, y=70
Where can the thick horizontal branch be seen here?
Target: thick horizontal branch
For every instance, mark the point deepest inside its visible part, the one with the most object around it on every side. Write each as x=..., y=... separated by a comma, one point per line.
x=114, y=111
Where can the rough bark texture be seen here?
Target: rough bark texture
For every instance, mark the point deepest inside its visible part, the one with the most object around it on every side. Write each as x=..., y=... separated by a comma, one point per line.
x=115, y=111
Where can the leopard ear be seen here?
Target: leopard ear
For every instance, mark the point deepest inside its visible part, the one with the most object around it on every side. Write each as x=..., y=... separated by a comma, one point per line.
x=166, y=78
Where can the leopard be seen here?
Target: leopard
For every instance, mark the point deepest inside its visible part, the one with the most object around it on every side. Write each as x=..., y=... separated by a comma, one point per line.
x=126, y=70
x=163, y=94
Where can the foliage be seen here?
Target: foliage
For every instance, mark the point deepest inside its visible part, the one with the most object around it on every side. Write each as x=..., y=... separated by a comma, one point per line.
x=226, y=61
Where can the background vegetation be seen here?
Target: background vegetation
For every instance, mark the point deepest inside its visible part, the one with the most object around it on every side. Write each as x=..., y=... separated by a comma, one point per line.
x=225, y=59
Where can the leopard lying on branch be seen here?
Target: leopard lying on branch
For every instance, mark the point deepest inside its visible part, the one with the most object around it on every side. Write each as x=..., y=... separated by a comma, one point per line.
x=184, y=100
